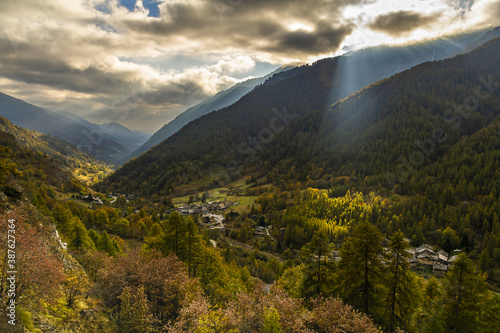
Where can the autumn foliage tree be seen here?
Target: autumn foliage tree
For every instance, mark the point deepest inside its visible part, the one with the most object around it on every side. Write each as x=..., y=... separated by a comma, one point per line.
x=39, y=271
x=275, y=311
x=76, y=284
x=134, y=315
x=164, y=279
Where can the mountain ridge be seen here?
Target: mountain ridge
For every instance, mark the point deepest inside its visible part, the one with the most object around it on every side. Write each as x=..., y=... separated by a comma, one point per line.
x=217, y=139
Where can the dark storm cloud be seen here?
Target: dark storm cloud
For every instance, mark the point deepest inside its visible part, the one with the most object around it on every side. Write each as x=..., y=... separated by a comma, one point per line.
x=258, y=24
x=186, y=93
x=402, y=22
x=324, y=39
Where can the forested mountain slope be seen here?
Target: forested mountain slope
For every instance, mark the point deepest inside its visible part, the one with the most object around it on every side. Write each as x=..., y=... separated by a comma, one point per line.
x=32, y=168
x=364, y=135
x=415, y=116
x=355, y=70
x=44, y=143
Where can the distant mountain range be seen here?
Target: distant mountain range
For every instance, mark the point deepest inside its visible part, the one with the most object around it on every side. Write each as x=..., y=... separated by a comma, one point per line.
x=353, y=71
x=108, y=142
x=281, y=128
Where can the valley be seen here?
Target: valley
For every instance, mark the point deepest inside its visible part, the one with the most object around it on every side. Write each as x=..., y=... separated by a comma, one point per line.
x=352, y=190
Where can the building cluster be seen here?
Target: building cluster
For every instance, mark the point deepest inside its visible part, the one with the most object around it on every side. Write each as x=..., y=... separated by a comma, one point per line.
x=213, y=221
x=206, y=208
x=89, y=198
x=426, y=256
x=117, y=195
x=263, y=231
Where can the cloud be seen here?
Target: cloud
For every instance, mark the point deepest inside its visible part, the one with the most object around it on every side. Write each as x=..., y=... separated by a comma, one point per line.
x=322, y=38
x=263, y=28
x=82, y=56
x=402, y=22
x=493, y=11
x=463, y=4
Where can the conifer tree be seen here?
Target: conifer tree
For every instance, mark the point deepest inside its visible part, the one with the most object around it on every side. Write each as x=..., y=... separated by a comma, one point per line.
x=360, y=267
x=175, y=234
x=62, y=218
x=80, y=239
x=318, y=269
x=193, y=241
x=490, y=317
x=155, y=230
x=94, y=236
x=402, y=291
x=106, y=244
x=464, y=295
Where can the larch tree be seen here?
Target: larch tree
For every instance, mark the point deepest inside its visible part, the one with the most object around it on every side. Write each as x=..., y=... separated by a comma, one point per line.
x=464, y=296
x=106, y=244
x=174, y=235
x=401, y=298
x=80, y=239
x=318, y=268
x=360, y=267
x=193, y=243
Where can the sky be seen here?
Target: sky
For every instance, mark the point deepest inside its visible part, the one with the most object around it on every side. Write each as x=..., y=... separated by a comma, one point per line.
x=141, y=63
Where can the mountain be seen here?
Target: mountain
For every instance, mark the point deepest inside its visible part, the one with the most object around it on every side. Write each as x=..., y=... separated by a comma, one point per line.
x=218, y=101
x=359, y=135
x=230, y=136
x=357, y=69
x=488, y=35
x=44, y=143
x=35, y=168
x=387, y=131
x=75, y=162
x=108, y=143
x=128, y=138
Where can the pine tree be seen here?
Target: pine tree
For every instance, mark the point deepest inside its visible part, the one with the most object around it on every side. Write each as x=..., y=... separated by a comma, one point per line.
x=360, y=267
x=155, y=230
x=318, y=269
x=490, y=317
x=62, y=218
x=101, y=218
x=464, y=295
x=106, y=244
x=80, y=239
x=172, y=239
x=193, y=241
x=94, y=236
x=402, y=296
x=175, y=235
